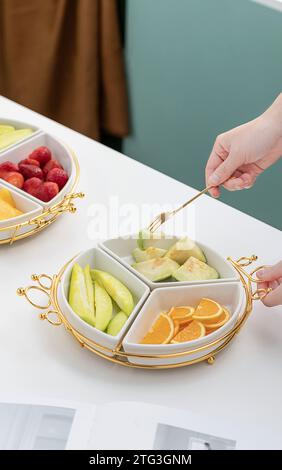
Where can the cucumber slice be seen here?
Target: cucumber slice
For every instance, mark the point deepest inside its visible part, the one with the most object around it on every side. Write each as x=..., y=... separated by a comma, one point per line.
x=195, y=270
x=104, y=307
x=78, y=296
x=156, y=269
x=116, y=323
x=118, y=291
x=151, y=253
x=183, y=249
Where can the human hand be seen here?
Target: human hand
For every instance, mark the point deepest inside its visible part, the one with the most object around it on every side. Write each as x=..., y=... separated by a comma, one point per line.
x=241, y=154
x=271, y=277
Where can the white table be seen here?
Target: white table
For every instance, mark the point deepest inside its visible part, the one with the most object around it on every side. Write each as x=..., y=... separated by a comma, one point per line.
x=245, y=383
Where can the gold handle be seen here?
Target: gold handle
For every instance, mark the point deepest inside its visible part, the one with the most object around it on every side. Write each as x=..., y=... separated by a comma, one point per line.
x=45, y=285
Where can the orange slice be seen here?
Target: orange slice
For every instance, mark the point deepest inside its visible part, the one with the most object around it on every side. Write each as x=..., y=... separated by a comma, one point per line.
x=181, y=314
x=214, y=323
x=207, y=309
x=194, y=330
x=161, y=332
x=176, y=327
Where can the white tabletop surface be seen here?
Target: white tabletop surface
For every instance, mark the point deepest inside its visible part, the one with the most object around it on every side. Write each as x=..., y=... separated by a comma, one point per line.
x=245, y=383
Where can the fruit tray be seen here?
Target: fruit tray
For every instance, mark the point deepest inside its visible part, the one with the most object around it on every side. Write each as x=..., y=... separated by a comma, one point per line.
x=234, y=290
x=36, y=210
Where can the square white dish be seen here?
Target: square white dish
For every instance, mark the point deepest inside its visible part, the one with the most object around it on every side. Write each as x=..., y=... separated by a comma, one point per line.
x=228, y=294
x=98, y=259
x=30, y=208
x=121, y=249
x=18, y=125
x=60, y=152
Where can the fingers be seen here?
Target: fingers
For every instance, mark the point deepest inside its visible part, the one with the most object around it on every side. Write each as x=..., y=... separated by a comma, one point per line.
x=225, y=170
x=270, y=273
x=213, y=162
x=243, y=181
x=274, y=297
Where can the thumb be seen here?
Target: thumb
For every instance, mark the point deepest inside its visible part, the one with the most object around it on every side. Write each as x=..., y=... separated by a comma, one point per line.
x=273, y=298
x=225, y=170
x=270, y=273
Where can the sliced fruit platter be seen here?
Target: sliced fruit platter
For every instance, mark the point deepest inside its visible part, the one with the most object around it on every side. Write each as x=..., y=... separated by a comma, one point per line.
x=112, y=312
x=39, y=173
x=161, y=260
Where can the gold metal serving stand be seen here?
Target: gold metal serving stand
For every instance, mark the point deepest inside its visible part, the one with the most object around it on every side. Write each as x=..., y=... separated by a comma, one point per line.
x=46, y=218
x=51, y=311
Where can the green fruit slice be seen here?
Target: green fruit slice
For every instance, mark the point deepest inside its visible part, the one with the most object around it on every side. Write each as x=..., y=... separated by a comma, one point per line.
x=116, y=323
x=183, y=249
x=5, y=128
x=147, y=239
x=150, y=253
x=157, y=269
x=118, y=291
x=104, y=307
x=78, y=297
x=89, y=289
x=12, y=137
x=195, y=270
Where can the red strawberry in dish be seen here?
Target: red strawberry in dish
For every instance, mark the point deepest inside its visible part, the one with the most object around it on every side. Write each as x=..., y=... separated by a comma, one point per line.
x=14, y=178
x=29, y=161
x=47, y=191
x=50, y=165
x=30, y=171
x=32, y=185
x=59, y=176
x=8, y=166
x=42, y=155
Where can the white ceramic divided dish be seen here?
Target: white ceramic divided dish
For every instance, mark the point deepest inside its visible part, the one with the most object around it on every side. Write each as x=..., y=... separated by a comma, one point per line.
x=30, y=208
x=121, y=249
x=60, y=152
x=18, y=125
x=161, y=300
x=98, y=259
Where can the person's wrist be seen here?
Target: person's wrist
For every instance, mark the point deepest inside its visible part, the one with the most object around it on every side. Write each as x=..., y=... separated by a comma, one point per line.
x=272, y=117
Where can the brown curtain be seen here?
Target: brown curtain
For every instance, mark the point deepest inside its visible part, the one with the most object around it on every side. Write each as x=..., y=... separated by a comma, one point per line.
x=63, y=58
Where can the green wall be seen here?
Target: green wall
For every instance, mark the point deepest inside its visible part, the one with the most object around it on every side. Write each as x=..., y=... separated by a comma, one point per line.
x=197, y=68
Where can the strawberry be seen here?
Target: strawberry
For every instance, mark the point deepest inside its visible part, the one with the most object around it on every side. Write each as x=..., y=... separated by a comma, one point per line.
x=47, y=191
x=59, y=176
x=32, y=185
x=15, y=178
x=8, y=166
x=42, y=155
x=31, y=171
x=50, y=165
x=29, y=161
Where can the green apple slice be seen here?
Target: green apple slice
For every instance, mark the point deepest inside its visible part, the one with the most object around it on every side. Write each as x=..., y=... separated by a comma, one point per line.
x=118, y=291
x=12, y=137
x=116, y=323
x=78, y=296
x=104, y=307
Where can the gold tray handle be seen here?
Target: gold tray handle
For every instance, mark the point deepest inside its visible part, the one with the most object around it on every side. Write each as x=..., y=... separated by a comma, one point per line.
x=66, y=205
x=45, y=285
x=242, y=262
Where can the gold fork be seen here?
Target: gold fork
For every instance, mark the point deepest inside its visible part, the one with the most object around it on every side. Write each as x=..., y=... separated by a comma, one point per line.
x=164, y=216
